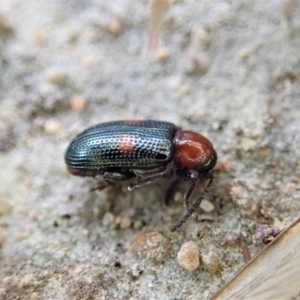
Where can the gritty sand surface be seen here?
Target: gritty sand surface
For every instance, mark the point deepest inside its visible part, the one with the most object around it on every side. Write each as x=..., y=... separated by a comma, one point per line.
x=227, y=69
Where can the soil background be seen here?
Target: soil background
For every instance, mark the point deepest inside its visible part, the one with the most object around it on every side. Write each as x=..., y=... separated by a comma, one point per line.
x=227, y=69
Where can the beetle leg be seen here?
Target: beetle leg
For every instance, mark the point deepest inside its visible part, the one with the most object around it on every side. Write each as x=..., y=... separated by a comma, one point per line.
x=187, y=175
x=195, y=205
x=118, y=176
x=138, y=183
x=193, y=178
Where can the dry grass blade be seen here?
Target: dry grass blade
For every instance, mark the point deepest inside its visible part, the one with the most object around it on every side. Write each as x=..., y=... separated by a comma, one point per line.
x=273, y=274
x=158, y=10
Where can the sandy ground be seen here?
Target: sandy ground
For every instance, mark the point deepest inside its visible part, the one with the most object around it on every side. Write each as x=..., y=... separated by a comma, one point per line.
x=227, y=69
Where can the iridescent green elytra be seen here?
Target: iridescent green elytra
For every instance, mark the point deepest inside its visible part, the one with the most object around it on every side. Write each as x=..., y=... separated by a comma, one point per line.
x=122, y=144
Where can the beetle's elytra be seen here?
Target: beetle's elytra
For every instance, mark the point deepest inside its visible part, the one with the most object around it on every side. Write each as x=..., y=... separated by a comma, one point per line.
x=142, y=152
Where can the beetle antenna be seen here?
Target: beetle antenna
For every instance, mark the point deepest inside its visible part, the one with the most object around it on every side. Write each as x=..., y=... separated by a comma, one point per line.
x=195, y=205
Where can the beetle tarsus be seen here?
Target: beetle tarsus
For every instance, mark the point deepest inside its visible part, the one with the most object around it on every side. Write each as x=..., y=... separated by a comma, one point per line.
x=139, y=183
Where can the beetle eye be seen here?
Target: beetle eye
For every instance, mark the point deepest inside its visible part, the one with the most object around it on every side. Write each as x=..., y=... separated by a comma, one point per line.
x=207, y=164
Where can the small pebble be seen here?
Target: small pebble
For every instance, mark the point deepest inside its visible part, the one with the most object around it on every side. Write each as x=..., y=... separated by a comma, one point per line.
x=263, y=153
x=210, y=261
x=57, y=76
x=188, y=256
x=288, y=7
x=265, y=213
x=137, y=224
x=277, y=223
x=5, y=28
x=244, y=53
x=201, y=33
x=108, y=219
x=123, y=220
x=242, y=196
x=239, y=190
x=85, y=232
x=207, y=206
x=5, y=208
x=245, y=252
x=248, y=144
x=34, y=296
x=51, y=126
x=266, y=233
x=115, y=27
x=33, y=215
x=226, y=165
x=198, y=63
x=78, y=103
x=152, y=245
x=162, y=54
x=185, y=89
x=78, y=269
x=178, y=196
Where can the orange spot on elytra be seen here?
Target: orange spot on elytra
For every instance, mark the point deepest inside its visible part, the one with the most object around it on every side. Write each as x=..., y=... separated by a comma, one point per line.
x=127, y=144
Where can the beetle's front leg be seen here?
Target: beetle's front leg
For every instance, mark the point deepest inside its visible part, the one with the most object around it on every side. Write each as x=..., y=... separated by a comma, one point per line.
x=195, y=205
x=187, y=175
x=168, y=173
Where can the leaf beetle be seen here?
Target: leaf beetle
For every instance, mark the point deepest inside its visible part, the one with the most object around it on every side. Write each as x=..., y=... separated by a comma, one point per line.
x=142, y=152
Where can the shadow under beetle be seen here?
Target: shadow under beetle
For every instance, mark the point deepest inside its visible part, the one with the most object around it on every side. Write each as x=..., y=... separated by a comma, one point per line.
x=142, y=152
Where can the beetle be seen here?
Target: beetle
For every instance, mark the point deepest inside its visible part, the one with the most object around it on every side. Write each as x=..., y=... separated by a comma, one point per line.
x=142, y=152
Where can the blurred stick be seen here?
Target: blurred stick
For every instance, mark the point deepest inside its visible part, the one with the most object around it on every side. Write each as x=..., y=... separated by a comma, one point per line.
x=159, y=9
